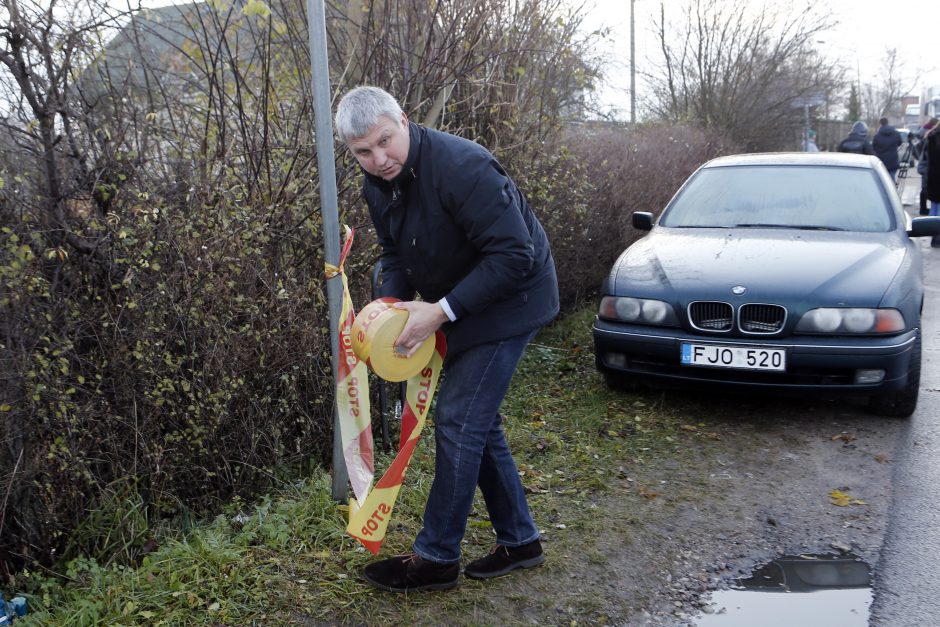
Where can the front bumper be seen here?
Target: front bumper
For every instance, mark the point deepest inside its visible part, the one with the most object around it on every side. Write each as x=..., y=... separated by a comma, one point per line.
x=825, y=364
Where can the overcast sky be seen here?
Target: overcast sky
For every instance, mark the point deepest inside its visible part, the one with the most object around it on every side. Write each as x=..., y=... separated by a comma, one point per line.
x=866, y=29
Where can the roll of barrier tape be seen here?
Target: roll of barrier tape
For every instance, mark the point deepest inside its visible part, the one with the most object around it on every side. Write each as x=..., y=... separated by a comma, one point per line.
x=374, y=332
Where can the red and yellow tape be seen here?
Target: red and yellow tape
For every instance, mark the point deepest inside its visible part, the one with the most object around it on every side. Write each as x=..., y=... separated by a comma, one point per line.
x=352, y=391
x=369, y=522
x=368, y=339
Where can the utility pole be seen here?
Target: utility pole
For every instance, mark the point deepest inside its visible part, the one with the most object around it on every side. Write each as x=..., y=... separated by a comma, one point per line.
x=632, y=65
x=329, y=211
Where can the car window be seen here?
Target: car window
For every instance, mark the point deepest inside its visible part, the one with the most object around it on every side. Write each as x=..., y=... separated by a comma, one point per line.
x=808, y=197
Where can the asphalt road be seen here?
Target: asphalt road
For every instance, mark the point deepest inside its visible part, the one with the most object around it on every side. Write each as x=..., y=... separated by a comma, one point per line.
x=907, y=583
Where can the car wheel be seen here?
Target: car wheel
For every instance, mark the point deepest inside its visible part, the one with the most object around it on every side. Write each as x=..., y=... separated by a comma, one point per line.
x=902, y=403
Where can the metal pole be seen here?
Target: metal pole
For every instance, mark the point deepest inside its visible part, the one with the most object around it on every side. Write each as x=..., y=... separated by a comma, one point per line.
x=806, y=127
x=329, y=213
x=632, y=65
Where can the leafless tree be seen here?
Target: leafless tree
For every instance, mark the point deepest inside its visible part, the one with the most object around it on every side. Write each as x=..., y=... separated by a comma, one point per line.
x=882, y=96
x=490, y=69
x=739, y=68
x=43, y=46
x=161, y=293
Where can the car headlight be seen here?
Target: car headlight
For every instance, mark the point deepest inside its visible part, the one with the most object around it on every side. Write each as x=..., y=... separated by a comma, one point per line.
x=641, y=310
x=851, y=320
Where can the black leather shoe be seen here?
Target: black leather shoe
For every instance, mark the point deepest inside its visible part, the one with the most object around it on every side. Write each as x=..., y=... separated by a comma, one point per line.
x=410, y=573
x=504, y=559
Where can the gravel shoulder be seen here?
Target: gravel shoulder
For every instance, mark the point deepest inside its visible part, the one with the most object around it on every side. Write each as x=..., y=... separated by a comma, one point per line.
x=751, y=480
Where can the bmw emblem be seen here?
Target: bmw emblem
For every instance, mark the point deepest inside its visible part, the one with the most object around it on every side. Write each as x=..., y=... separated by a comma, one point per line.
x=738, y=290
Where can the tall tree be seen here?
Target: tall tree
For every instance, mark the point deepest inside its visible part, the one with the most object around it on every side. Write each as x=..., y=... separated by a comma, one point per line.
x=741, y=69
x=882, y=96
x=854, y=112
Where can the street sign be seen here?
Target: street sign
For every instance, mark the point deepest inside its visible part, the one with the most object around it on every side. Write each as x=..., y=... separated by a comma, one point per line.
x=810, y=100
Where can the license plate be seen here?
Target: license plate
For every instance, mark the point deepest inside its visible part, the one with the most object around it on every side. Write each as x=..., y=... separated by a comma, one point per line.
x=737, y=357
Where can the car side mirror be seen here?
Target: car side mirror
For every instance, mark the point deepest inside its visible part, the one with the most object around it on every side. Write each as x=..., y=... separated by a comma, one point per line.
x=642, y=220
x=923, y=226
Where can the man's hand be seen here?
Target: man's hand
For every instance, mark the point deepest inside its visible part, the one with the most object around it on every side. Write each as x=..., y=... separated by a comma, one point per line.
x=423, y=320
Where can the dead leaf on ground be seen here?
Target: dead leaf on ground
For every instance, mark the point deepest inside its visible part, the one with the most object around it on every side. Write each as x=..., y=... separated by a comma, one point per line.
x=882, y=459
x=845, y=437
x=647, y=493
x=711, y=435
x=844, y=499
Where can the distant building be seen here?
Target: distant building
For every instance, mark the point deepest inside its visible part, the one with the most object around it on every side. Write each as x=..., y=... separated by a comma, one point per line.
x=166, y=53
x=910, y=116
x=909, y=112
x=931, y=106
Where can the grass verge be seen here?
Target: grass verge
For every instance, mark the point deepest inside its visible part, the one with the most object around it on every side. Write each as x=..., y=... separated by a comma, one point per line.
x=583, y=452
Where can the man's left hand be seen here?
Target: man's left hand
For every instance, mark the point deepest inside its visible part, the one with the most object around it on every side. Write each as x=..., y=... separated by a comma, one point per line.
x=423, y=320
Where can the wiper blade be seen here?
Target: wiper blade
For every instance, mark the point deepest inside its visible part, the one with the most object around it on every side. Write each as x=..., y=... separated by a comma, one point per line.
x=799, y=227
x=818, y=227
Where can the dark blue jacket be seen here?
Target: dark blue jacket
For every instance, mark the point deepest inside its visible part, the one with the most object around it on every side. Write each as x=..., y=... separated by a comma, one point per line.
x=885, y=143
x=453, y=224
x=857, y=141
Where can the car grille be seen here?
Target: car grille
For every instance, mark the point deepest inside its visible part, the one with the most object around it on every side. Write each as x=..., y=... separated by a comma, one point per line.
x=761, y=318
x=711, y=315
x=718, y=317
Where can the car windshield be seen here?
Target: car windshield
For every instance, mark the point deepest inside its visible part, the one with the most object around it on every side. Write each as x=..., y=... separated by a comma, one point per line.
x=784, y=196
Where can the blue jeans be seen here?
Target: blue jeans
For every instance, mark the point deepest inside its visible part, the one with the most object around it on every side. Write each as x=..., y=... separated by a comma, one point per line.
x=934, y=208
x=472, y=450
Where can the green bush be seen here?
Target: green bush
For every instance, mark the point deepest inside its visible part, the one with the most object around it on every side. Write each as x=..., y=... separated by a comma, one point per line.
x=195, y=366
x=584, y=189
x=164, y=337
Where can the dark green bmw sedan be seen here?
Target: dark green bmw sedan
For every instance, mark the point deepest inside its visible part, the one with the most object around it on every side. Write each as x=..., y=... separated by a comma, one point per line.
x=787, y=272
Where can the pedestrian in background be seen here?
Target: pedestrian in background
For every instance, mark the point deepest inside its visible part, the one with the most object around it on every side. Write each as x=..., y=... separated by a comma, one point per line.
x=454, y=228
x=931, y=159
x=885, y=144
x=857, y=140
x=810, y=144
x=920, y=155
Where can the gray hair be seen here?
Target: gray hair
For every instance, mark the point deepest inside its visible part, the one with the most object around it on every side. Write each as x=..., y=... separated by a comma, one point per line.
x=360, y=109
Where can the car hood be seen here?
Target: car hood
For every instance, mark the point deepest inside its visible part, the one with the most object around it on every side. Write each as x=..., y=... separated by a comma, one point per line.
x=834, y=268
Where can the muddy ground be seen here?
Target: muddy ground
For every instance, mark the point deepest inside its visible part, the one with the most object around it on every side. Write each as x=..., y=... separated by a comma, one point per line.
x=752, y=481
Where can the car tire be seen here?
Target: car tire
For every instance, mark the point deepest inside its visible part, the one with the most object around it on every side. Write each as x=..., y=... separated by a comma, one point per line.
x=902, y=403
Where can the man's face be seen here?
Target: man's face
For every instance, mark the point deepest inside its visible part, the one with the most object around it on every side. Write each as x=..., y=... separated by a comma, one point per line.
x=382, y=151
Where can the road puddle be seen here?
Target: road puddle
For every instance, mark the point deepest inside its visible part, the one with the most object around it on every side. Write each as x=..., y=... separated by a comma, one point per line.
x=794, y=590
